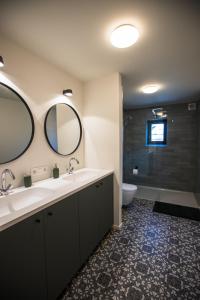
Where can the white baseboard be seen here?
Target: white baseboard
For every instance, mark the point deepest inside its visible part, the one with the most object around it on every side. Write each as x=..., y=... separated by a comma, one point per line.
x=117, y=227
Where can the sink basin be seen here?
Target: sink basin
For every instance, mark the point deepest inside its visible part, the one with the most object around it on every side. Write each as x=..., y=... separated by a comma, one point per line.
x=4, y=208
x=54, y=183
x=27, y=197
x=82, y=175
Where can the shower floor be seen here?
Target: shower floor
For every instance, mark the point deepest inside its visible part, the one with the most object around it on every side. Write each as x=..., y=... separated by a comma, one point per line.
x=167, y=196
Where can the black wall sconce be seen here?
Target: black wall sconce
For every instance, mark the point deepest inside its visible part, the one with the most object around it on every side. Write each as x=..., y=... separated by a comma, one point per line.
x=1, y=62
x=68, y=92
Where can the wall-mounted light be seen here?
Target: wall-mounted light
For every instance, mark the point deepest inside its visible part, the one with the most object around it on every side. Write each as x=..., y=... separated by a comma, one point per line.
x=68, y=93
x=1, y=62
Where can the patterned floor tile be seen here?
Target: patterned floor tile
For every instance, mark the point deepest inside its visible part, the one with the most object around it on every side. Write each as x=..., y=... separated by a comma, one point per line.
x=153, y=256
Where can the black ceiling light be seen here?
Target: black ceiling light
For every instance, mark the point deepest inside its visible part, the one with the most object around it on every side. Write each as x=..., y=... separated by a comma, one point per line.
x=1, y=62
x=68, y=92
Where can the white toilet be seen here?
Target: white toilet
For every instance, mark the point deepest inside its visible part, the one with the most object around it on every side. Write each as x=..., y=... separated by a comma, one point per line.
x=128, y=192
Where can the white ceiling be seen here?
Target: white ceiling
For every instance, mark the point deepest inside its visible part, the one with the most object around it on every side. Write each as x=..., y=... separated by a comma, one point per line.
x=74, y=35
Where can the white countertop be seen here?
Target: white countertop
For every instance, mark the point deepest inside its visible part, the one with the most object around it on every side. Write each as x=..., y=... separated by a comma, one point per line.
x=54, y=190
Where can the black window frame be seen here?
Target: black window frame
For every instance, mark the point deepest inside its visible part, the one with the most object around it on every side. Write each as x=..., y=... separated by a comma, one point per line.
x=149, y=126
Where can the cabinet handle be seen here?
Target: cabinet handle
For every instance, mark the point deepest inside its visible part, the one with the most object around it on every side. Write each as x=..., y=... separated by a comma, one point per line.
x=50, y=213
x=37, y=220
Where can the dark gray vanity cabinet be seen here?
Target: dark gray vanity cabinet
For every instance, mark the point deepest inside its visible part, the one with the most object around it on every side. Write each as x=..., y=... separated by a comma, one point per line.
x=39, y=256
x=22, y=268
x=95, y=214
x=61, y=244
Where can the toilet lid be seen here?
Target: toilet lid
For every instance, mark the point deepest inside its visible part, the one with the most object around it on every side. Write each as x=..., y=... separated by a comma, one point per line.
x=129, y=187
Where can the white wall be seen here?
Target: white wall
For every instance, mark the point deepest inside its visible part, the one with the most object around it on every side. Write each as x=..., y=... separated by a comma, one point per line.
x=103, y=130
x=41, y=85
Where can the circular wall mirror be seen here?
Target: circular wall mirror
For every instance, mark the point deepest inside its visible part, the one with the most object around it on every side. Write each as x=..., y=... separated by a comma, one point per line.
x=16, y=125
x=63, y=129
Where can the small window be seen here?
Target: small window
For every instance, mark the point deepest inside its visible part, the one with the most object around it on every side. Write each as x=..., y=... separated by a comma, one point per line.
x=157, y=132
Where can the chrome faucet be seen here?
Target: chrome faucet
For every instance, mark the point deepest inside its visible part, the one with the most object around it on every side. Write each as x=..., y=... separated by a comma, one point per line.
x=5, y=189
x=70, y=168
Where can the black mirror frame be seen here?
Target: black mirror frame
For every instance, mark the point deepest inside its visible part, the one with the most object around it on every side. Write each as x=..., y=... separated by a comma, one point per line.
x=32, y=122
x=80, y=125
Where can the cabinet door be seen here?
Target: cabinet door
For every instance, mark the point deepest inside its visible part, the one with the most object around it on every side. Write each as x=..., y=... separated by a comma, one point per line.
x=62, y=244
x=89, y=220
x=96, y=215
x=105, y=205
x=22, y=262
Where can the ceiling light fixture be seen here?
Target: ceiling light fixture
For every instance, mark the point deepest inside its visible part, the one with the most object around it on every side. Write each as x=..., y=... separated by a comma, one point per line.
x=1, y=62
x=68, y=93
x=124, y=36
x=150, y=88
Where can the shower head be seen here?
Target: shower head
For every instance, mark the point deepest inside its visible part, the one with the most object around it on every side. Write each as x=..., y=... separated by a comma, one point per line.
x=159, y=113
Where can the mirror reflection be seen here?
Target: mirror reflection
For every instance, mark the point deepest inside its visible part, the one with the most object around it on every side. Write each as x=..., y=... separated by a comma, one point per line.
x=16, y=125
x=63, y=129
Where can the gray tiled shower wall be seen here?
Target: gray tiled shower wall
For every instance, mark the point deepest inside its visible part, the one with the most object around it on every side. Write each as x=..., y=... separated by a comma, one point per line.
x=174, y=166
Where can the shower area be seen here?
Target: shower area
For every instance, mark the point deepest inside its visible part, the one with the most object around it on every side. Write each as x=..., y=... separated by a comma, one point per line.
x=162, y=153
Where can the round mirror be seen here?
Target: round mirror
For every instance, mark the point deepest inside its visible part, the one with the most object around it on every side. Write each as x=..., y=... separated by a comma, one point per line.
x=16, y=125
x=63, y=129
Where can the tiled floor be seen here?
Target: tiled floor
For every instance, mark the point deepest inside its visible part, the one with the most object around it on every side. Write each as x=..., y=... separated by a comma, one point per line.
x=153, y=256
x=167, y=196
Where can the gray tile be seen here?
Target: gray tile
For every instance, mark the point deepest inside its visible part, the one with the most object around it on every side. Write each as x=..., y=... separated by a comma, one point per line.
x=174, y=166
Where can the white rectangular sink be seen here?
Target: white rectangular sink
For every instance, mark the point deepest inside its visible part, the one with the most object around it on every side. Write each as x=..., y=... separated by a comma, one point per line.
x=54, y=184
x=80, y=176
x=4, y=208
x=27, y=197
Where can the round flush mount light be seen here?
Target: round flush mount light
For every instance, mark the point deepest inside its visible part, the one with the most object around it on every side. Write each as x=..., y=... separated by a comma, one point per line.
x=68, y=93
x=1, y=62
x=124, y=36
x=150, y=88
